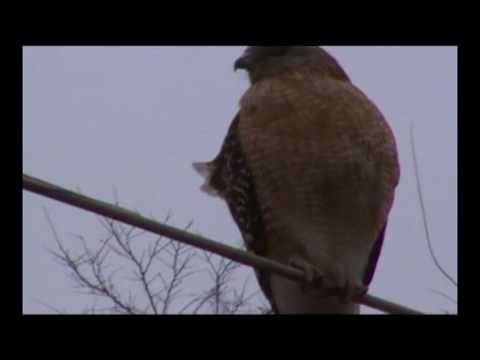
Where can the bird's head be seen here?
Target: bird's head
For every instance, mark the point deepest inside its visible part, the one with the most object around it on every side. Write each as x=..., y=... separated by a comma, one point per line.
x=266, y=61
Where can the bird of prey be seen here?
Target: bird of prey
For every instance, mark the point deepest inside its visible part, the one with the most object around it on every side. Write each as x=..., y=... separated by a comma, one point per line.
x=308, y=170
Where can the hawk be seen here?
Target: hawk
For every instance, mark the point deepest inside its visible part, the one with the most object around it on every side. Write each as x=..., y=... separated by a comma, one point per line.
x=308, y=170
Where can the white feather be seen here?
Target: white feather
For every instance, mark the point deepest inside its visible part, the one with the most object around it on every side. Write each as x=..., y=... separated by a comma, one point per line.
x=205, y=170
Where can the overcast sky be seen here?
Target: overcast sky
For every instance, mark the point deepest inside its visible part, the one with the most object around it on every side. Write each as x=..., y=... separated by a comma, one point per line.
x=133, y=119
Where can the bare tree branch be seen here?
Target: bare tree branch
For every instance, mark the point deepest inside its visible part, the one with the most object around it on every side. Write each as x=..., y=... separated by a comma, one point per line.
x=50, y=307
x=96, y=286
x=444, y=295
x=178, y=263
x=424, y=213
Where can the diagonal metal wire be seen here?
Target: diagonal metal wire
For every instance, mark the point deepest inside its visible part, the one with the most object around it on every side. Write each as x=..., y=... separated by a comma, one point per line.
x=58, y=193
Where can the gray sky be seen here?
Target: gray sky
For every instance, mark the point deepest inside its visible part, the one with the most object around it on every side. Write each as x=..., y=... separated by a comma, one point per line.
x=135, y=118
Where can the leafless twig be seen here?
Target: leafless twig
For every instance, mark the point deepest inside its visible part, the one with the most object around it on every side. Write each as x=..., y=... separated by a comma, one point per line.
x=444, y=295
x=424, y=213
x=161, y=269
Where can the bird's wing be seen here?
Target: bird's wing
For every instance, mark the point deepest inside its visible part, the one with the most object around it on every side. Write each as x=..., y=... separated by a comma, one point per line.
x=228, y=176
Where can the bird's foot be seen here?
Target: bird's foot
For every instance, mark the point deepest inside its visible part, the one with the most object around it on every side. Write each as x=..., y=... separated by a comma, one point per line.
x=349, y=291
x=329, y=280
x=313, y=275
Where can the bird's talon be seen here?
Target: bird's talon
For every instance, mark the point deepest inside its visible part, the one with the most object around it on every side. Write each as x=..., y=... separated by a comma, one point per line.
x=361, y=291
x=313, y=276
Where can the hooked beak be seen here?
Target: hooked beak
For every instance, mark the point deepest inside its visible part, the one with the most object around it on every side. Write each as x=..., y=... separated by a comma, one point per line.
x=242, y=63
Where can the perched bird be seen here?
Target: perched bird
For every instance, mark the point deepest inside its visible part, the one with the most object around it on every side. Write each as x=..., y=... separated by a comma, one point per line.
x=308, y=170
